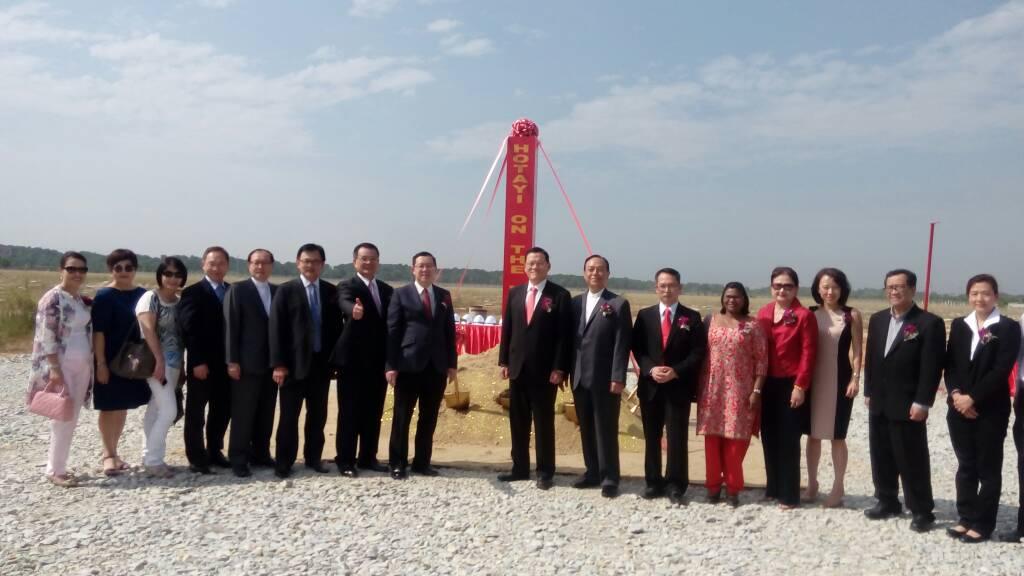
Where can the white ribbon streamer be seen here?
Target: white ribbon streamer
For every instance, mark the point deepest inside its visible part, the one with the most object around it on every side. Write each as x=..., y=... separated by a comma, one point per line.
x=501, y=150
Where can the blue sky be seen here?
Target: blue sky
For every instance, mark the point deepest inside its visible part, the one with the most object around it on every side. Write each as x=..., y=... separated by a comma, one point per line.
x=721, y=138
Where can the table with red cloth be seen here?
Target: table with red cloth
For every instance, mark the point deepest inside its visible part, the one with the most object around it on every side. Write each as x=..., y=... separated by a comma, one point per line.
x=476, y=338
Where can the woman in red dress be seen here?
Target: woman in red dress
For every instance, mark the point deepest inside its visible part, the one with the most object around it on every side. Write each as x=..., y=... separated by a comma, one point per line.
x=729, y=398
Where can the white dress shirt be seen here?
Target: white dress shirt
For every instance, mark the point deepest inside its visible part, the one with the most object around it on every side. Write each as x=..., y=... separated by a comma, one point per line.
x=592, y=299
x=430, y=294
x=263, y=288
x=661, y=311
x=972, y=322
x=540, y=290
x=316, y=288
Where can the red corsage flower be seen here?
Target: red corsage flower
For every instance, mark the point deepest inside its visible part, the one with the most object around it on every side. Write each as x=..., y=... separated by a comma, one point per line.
x=607, y=310
x=546, y=304
x=910, y=332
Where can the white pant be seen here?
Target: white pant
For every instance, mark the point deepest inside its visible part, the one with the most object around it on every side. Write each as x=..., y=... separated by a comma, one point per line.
x=159, y=417
x=77, y=374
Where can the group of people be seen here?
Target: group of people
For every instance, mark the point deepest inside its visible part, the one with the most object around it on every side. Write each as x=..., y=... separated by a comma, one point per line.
x=241, y=349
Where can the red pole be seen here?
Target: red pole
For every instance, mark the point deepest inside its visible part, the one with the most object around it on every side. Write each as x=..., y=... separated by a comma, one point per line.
x=928, y=270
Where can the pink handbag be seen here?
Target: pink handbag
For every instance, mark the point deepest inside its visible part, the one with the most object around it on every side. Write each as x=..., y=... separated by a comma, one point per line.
x=52, y=405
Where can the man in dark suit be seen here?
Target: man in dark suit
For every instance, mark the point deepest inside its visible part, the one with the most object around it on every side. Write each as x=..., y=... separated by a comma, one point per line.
x=669, y=342
x=603, y=328
x=304, y=325
x=359, y=357
x=902, y=368
x=535, y=352
x=247, y=347
x=421, y=354
x=201, y=320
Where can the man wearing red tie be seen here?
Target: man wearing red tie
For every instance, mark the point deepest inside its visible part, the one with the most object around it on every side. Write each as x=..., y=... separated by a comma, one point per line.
x=536, y=349
x=669, y=343
x=420, y=356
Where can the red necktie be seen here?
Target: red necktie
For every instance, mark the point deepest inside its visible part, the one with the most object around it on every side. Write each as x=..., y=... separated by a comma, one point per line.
x=666, y=326
x=426, y=304
x=531, y=301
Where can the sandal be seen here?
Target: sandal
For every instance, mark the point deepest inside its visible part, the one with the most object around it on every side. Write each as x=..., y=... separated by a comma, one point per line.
x=65, y=480
x=114, y=469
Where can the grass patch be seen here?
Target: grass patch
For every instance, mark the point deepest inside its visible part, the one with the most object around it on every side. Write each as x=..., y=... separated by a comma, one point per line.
x=17, y=316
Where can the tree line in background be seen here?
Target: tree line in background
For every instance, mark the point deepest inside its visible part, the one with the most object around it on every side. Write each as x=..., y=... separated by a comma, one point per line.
x=31, y=258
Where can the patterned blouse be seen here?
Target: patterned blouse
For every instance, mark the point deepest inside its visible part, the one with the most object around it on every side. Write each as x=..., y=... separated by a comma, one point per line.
x=54, y=317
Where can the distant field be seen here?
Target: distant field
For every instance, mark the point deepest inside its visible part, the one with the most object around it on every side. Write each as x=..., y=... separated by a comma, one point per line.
x=20, y=289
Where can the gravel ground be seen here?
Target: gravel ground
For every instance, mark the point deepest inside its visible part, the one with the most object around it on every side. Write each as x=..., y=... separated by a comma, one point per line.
x=463, y=522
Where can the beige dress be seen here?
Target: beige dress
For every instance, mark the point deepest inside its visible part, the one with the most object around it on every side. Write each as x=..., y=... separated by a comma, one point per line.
x=830, y=408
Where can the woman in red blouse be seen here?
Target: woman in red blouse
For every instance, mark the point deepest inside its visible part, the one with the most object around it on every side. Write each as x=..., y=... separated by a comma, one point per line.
x=792, y=341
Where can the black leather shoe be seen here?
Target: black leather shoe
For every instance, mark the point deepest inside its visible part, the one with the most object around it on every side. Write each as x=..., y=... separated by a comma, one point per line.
x=609, y=491
x=676, y=496
x=881, y=511
x=544, y=482
x=732, y=500
x=317, y=467
x=1011, y=536
x=652, y=492
x=217, y=459
x=714, y=496
x=348, y=471
x=922, y=522
x=584, y=482
x=426, y=471
x=241, y=471
x=374, y=467
x=399, y=473
x=282, y=473
x=512, y=477
x=264, y=462
x=200, y=469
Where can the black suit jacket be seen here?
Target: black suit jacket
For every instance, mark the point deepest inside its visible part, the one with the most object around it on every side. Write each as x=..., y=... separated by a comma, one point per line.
x=684, y=352
x=543, y=345
x=363, y=343
x=246, y=328
x=601, y=349
x=291, y=329
x=415, y=342
x=986, y=377
x=200, y=318
x=911, y=371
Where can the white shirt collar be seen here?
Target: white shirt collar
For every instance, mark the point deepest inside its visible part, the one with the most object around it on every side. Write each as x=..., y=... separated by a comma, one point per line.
x=972, y=320
x=365, y=280
x=420, y=289
x=212, y=283
x=306, y=283
x=539, y=287
x=260, y=283
x=593, y=296
x=662, y=307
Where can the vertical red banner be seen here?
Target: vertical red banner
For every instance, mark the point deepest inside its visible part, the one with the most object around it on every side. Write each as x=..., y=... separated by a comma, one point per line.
x=520, y=209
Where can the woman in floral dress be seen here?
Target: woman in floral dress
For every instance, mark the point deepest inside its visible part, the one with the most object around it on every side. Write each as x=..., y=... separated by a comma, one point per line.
x=729, y=399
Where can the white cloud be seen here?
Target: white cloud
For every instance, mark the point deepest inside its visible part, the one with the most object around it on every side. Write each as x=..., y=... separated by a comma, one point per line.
x=217, y=4
x=371, y=8
x=471, y=48
x=755, y=108
x=324, y=53
x=443, y=25
x=173, y=97
x=26, y=23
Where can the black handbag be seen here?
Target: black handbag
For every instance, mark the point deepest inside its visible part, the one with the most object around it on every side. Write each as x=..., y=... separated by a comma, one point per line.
x=135, y=361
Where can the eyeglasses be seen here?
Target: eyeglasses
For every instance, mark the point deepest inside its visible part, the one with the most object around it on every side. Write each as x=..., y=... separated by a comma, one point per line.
x=119, y=268
x=781, y=287
x=173, y=274
x=896, y=288
x=76, y=269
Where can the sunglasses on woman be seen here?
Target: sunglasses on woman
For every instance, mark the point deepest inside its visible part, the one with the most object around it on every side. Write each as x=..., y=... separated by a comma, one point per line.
x=173, y=274
x=119, y=268
x=76, y=269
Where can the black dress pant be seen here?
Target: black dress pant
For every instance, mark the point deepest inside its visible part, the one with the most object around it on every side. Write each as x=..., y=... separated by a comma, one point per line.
x=978, y=445
x=314, y=391
x=214, y=392
x=532, y=399
x=427, y=388
x=253, y=400
x=671, y=416
x=780, y=438
x=361, y=397
x=598, y=413
x=899, y=451
x=1018, y=441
